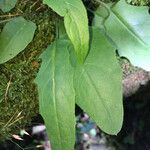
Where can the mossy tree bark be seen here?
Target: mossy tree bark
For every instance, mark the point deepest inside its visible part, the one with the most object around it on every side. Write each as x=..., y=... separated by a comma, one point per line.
x=18, y=93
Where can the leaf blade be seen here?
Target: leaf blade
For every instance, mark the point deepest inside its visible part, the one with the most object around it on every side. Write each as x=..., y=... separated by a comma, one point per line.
x=96, y=82
x=7, y=5
x=129, y=28
x=76, y=24
x=16, y=35
x=57, y=99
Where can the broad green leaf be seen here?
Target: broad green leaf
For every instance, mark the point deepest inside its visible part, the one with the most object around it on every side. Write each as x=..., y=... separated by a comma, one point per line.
x=7, y=5
x=98, y=85
x=56, y=95
x=129, y=28
x=16, y=35
x=76, y=23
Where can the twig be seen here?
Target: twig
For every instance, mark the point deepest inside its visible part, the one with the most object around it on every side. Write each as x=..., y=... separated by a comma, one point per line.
x=9, y=121
x=9, y=15
x=39, y=8
x=6, y=20
x=20, y=10
x=7, y=89
x=15, y=121
x=34, y=4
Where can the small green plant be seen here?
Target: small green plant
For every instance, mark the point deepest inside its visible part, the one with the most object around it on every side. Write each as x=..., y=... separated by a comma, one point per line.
x=80, y=66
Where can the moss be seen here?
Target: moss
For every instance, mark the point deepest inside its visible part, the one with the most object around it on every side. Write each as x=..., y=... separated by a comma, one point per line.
x=127, y=67
x=139, y=2
x=18, y=93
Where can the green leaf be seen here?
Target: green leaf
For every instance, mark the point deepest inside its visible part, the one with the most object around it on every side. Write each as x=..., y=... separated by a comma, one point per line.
x=16, y=35
x=100, y=15
x=56, y=94
x=7, y=5
x=76, y=23
x=129, y=28
x=98, y=85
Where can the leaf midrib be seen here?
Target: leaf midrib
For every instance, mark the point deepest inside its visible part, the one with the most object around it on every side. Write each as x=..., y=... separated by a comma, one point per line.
x=54, y=91
x=12, y=39
x=127, y=26
x=74, y=20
